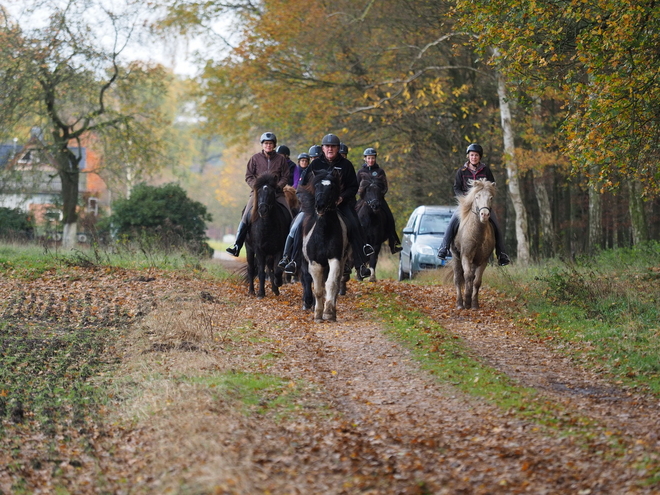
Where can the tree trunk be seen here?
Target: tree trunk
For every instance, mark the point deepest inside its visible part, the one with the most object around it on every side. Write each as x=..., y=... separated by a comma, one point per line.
x=69, y=174
x=640, y=231
x=512, y=173
x=595, y=220
x=547, y=237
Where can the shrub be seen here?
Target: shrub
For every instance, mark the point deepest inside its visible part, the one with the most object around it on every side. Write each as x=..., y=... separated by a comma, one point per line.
x=15, y=223
x=165, y=213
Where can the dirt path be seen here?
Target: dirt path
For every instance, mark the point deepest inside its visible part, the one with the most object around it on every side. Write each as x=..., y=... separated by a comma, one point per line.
x=366, y=419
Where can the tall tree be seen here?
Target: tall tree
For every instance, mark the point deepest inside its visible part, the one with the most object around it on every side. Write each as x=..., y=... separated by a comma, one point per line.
x=65, y=76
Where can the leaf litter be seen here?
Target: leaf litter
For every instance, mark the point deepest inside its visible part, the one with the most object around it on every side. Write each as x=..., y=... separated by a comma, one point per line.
x=359, y=415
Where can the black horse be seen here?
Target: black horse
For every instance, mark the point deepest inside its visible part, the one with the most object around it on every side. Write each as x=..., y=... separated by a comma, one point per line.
x=265, y=240
x=325, y=242
x=373, y=220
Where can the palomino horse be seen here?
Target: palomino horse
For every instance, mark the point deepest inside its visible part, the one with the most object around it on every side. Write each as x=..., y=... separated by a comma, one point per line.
x=474, y=242
x=265, y=241
x=325, y=241
x=373, y=220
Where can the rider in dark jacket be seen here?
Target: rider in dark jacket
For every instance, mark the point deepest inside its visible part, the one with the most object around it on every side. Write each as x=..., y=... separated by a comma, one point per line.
x=473, y=169
x=268, y=160
x=371, y=170
x=332, y=160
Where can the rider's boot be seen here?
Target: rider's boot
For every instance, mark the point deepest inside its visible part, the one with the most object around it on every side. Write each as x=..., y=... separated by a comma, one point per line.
x=241, y=234
x=286, y=257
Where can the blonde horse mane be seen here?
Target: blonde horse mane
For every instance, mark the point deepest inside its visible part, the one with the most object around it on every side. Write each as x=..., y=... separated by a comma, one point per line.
x=465, y=202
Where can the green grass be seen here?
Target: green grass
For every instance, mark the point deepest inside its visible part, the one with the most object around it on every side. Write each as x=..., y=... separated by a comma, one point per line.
x=603, y=311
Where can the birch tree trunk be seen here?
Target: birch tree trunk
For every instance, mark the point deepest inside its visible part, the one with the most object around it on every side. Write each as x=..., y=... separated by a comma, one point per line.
x=640, y=231
x=512, y=173
x=595, y=219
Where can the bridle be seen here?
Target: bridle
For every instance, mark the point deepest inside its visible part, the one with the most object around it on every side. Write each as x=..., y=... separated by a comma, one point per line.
x=263, y=208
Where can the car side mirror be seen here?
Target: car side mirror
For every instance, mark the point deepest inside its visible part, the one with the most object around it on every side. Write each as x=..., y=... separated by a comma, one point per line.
x=408, y=231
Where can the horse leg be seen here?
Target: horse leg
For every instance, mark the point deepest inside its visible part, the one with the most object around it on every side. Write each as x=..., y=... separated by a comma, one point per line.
x=262, y=277
x=468, y=271
x=250, y=272
x=316, y=271
x=274, y=285
x=332, y=288
x=459, y=280
x=345, y=276
x=478, y=274
x=372, y=264
x=308, y=296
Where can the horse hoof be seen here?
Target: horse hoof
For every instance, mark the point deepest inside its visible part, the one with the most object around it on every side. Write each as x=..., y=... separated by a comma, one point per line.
x=329, y=317
x=342, y=292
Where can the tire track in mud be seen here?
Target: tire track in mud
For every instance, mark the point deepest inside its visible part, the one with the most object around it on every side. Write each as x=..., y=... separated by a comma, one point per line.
x=415, y=432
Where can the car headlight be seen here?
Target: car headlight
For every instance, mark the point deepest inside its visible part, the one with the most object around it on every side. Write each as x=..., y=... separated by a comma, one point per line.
x=426, y=250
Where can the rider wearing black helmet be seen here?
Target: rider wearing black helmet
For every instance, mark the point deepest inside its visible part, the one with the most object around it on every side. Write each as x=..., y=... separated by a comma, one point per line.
x=473, y=169
x=343, y=150
x=371, y=170
x=268, y=160
x=284, y=150
x=315, y=151
x=332, y=160
x=303, y=163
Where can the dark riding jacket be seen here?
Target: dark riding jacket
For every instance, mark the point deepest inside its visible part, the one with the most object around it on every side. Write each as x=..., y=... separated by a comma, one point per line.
x=461, y=185
x=347, y=177
x=367, y=173
x=273, y=163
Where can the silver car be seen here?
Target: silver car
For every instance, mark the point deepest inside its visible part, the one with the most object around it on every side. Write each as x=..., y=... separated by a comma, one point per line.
x=422, y=237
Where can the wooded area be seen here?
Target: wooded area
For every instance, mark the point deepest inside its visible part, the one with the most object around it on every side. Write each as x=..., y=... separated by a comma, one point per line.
x=561, y=95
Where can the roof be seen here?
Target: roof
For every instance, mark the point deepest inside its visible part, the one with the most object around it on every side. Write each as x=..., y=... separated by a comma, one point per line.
x=9, y=150
x=434, y=209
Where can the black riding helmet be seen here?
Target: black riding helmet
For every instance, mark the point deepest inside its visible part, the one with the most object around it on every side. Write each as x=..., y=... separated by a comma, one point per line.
x=315, y=151
x=369, y=152
x=343, y=149
x=283, y=150
x=268, y=136
x=330, y=140
x=303, y=155
x=475, y=147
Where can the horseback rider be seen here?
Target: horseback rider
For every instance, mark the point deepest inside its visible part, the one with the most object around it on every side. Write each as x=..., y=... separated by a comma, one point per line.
x=284, y=150
x=331, y=160
x=343, y=150
x=473, y=169
x=268, y=160
x=303, y=163
x=371, y=170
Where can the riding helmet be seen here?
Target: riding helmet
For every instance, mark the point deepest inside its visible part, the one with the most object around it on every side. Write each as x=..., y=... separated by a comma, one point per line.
x=283, y=150
x=315, y=151
x=268, y=136
x=343, y=149
x=475, y=147
x=303, y=155
x=330, y=140
x=369, y=152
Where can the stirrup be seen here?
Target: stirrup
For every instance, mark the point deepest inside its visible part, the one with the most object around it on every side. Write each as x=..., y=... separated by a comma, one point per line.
x=283, y=262
x=365, y=271
x=290, y=268
x=368, y=249
x=234, y=250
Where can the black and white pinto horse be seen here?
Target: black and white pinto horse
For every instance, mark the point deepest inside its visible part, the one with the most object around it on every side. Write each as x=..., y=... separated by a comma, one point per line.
x=373, y=220
x=325, y=241
x=265, y=240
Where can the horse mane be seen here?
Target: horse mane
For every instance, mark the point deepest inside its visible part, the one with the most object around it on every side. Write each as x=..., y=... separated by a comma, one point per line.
x=291, y=198
x=306, y=192
x=378, y=181
x=266, y=179
x=465, y=202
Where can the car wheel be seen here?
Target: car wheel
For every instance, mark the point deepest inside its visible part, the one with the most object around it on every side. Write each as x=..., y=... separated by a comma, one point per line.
x=402, y=274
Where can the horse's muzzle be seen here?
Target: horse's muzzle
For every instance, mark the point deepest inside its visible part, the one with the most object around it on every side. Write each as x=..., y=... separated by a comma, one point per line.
x=374, y=205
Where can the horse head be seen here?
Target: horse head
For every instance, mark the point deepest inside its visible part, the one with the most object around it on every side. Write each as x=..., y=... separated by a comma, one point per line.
x=326, y=191
x=265, y=192
x=480, y=197
x=373, y=194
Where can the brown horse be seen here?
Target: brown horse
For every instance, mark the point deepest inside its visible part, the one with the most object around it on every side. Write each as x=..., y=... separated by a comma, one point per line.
x=474, y=242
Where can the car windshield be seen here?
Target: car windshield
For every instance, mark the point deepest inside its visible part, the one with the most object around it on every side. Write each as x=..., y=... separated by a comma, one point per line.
x=434, y=224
